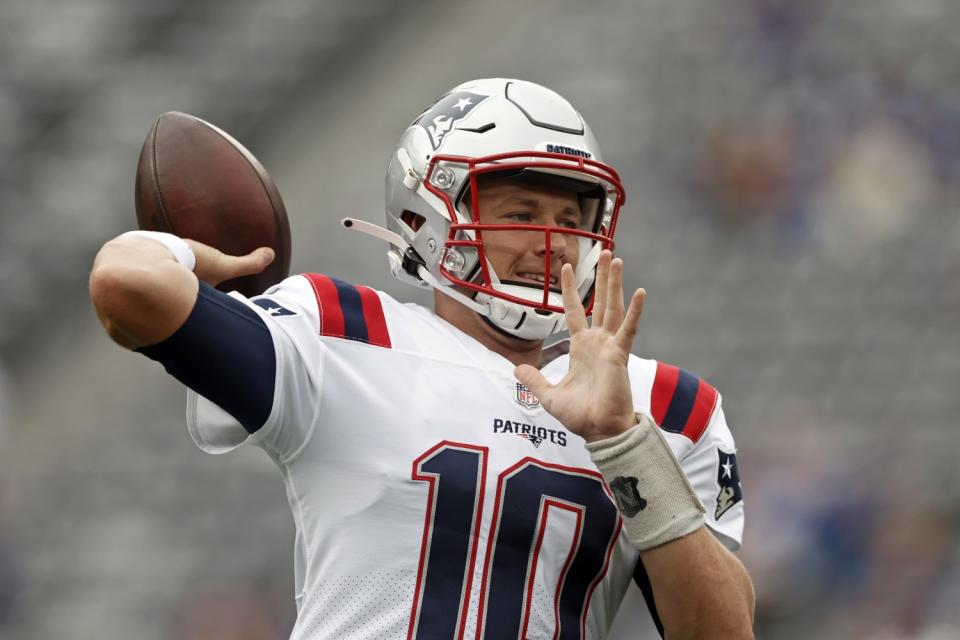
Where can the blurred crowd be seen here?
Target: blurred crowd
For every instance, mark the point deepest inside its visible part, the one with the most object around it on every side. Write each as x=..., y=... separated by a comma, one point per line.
x=850, y=534
x=850, y=541
x=810, y=154
x=840, y=125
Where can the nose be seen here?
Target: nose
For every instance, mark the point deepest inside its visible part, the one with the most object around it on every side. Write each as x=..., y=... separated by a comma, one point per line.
x=563, y=249
x=557, y=241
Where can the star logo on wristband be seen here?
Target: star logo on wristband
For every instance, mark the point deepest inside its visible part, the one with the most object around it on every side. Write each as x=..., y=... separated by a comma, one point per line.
x=628, y=499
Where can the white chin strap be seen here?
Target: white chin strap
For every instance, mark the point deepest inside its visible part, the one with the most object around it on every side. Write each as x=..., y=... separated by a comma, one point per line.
x=523, y=322
x=515, y=319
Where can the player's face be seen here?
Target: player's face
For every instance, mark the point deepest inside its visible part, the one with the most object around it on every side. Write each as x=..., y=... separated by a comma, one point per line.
x=519, y=255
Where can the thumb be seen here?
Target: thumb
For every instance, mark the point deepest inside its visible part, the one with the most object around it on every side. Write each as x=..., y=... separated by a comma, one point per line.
x=257, y=260
x=530, y=377
x=266, y=256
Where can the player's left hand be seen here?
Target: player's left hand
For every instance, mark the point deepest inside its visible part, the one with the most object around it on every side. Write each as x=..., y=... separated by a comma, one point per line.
x=594, y=399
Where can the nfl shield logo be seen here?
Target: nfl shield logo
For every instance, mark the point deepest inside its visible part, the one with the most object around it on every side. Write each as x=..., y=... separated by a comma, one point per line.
x=526, y=397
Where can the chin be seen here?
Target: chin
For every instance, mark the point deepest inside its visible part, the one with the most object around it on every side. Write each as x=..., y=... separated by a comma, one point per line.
x=519, y=342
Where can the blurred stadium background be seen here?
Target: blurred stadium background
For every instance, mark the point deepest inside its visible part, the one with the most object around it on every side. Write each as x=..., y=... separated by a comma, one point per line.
x=793, y=172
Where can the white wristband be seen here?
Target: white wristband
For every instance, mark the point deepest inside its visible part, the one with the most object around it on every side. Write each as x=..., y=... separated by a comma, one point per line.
x=650, y=488
x=181, y=250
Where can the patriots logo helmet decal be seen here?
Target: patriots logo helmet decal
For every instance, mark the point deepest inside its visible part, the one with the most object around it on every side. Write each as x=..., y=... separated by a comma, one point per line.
x=439, y=118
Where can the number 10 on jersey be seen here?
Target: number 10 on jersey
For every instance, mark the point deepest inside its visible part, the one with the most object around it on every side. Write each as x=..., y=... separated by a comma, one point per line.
x=525, y=495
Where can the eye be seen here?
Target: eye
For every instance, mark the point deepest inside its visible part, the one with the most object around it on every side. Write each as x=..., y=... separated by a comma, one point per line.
x=568, y=224
x=520, y=216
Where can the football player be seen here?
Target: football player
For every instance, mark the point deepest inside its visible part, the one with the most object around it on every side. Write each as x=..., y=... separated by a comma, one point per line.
x=449, y=477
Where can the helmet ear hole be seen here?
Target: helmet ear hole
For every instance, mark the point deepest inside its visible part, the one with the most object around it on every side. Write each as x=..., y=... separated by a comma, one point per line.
x=412, y=220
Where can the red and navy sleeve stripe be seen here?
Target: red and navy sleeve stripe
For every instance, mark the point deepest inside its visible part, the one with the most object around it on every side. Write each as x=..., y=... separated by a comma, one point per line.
x=349, y=311
x=681, y=402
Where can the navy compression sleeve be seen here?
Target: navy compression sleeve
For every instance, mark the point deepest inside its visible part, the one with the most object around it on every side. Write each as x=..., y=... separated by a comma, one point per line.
x=225, y=353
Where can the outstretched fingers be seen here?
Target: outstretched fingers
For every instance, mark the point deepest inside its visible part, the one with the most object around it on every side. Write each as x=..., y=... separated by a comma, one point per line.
x=614, y=312
x=572, y=307
x=628, y=330
x=600, y=288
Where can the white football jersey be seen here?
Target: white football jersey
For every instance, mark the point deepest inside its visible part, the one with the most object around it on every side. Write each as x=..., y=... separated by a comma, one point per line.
x=432, y=494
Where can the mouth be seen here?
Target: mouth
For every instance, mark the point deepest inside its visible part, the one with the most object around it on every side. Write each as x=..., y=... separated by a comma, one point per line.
x=536, y=278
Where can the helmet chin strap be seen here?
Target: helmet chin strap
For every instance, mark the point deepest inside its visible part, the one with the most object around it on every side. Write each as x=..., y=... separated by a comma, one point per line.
x=586, y=267
x=519, y=321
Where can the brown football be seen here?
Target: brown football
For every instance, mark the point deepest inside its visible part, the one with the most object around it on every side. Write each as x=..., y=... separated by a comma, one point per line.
x=197, y=182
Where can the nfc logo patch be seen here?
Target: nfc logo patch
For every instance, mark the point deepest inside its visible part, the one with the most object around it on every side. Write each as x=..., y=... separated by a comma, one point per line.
x=273, y=308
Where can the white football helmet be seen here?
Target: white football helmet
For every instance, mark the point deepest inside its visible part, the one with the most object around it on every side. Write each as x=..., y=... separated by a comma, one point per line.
x=505, y=127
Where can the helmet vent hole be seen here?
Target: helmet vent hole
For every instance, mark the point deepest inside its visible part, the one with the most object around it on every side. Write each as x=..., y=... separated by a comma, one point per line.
x=412, y=219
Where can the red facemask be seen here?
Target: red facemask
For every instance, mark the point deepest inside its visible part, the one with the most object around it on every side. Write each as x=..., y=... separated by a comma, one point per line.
x=597, y=185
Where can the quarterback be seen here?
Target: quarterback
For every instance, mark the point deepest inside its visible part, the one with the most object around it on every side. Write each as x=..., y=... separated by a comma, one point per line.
x=448, y=474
